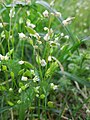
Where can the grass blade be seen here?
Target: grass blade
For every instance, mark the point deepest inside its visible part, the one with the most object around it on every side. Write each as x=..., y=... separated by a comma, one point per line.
x=75, y=78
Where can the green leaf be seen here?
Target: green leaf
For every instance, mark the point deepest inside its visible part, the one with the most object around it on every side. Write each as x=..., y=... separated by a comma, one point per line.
x=21, y=72
x=51, y=69
x=10, y=103
x=10, y=52
x=29, y=65
x=27, y=73
x=30, y=30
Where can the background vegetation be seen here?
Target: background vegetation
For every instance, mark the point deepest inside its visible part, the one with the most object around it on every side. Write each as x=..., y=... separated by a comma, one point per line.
x=45, y=60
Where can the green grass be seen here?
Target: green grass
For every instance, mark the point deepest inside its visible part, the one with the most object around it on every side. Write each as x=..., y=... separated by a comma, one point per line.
x=44, y=60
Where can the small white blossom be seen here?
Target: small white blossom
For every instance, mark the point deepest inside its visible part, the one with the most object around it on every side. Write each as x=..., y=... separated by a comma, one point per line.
x=29, y=24
x=62, y=34
x=20, y=20
x=1, y=57
x=88, y=111
x=57, y=38
x=45, y=28
x=1, y=25
x=66, y=36
x=52, y=14
x=21, y=62
x=28, y=12
x=11, y=36
x=46, y=13
x=32, y=72
x=54, y=87
x=12, y=12
x=22, y=36
x=49, y=58
x=20, y=90
x=85, y=31
x=68, y=21
x=4, y=57
x=43, y=63
x=37, y=36
x=24, y=78
x=47, y=37
x=37, y=95
x=10, y=89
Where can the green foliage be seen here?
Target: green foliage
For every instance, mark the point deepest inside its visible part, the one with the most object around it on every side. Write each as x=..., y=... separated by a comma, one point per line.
x=44, y=60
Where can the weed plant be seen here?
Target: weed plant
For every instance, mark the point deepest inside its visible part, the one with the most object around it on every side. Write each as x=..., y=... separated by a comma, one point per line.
x=44, y=60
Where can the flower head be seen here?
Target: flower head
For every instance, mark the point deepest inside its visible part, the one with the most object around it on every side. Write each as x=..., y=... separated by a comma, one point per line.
x=21, y=62
x=24, y=78
x=22, y=36
x=45, y=13
x=68, y=21
x=54, y=87
x=43, y=63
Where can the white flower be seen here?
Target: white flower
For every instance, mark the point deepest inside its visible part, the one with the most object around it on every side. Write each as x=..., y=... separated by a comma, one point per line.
x=22, y=36
x=20, y=90
x=47, y=37
x=45, y=28
x=54, y=87
x=62, y=34
x=4, y=57
x=1, y=25
x=49, y=58
x=85, y=31
x=56, y=39
x=11, y=36
x=32, y=72
x=10, y=89
x=37, y=95
x=45, y=13
x=28, y=13
x=29, y=24
x=88, y=111
x=12, y=12
x=37, y=36
x=24, y=78
x=43, y=63
x=20, y=20
x=68, y=21
x=66, y=36
x=1, y=57
x=21, y=62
